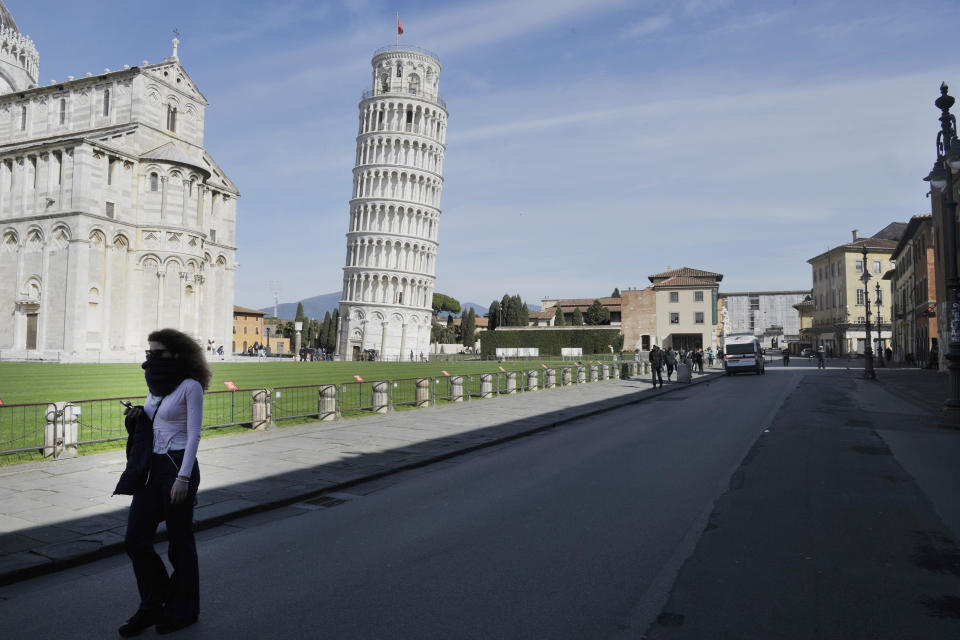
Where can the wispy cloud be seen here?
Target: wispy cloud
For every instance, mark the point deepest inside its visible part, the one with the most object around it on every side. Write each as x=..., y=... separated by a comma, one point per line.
x=649, y=25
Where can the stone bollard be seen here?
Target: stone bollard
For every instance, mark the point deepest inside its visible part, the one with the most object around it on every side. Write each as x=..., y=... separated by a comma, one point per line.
x=551, y=378
x=423, y=392
x=456, y=388
x=327, y=402
x=604, y=372
x=615, y=372
x=60, y=431
x=566, y=377
x=511, y=382
x=581, y=374
x=633, y=368
x=486, y=385
x=646, y=367
x=593, y=373
x=533, y=380
x=381, y=396
x=262, y=410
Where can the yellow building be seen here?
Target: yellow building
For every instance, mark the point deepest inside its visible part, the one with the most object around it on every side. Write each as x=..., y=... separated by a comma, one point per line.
x=686, y=308
x=247, y=328
x=840, y=294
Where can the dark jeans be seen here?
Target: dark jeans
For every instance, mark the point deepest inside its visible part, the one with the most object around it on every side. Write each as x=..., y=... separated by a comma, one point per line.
x=178, y=594
x=657, y=375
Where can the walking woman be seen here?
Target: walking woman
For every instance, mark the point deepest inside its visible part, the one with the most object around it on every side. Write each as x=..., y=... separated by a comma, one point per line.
x=177, y=374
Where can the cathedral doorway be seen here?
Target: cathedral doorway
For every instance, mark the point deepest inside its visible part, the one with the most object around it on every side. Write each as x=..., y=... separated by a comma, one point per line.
x=32, y=331
x=356, y=352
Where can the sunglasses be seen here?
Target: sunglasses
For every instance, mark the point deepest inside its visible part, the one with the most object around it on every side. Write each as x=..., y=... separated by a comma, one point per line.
x=156, y=353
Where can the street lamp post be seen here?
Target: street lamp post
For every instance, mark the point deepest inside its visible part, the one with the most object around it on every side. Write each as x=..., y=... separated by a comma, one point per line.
x=941, y=179
x=880, y=343
x=267, y=331
x=868, y=371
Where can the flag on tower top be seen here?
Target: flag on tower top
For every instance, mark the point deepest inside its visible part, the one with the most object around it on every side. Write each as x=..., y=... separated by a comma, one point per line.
x=399, y=26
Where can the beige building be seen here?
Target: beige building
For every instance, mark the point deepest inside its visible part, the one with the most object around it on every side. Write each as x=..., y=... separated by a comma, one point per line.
x=247, y=328
x=840, y=294
x=686, y=304
x=913, y=282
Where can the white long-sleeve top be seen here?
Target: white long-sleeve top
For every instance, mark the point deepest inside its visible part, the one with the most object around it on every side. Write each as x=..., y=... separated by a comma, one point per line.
x=178, y=422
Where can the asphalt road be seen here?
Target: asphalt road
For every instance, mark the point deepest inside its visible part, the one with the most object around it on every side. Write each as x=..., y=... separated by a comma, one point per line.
x=578, y=532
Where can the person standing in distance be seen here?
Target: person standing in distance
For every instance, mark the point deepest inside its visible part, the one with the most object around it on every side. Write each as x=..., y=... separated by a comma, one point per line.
x=177, y=374
x=656, y=365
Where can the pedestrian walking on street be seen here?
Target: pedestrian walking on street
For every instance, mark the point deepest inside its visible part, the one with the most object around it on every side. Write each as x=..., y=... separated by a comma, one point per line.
x=821, y=358
x=177, y=375
x=656, y=365
x=670, y=358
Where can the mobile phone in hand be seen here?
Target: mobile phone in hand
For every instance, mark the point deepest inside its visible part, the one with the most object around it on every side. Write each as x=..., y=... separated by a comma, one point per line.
x=127, y=404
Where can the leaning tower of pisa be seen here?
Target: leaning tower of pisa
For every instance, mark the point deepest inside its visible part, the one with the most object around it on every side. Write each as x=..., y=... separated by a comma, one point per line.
x=394, y=213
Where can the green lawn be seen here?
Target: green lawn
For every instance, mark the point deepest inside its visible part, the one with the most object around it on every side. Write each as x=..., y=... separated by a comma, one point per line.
x=26, y=388
x=35, y=382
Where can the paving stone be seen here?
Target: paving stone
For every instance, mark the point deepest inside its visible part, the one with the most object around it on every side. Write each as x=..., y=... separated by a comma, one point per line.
x=14, y=542
x=93, y=524
x=62, y=551
x=13, y=563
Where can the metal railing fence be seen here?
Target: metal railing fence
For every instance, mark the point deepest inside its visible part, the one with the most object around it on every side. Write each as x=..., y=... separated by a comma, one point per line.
x=44, y=426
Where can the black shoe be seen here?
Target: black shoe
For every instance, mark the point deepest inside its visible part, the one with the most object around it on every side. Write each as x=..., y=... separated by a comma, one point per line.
x=139, y=622
x=168, y=624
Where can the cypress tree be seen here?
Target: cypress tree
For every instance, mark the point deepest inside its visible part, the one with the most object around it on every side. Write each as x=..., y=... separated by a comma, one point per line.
x=616, y=293
x=493, y=315
x=597, y=314
x=524, y=315
x=558, y=318
x=468, y=326
x=577, y=318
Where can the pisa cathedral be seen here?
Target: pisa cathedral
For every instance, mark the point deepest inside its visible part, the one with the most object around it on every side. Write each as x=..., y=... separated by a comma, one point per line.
x=114, y=220
x=387, y=299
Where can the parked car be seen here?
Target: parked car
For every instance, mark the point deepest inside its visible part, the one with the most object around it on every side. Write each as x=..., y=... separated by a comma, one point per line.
x=807, y=352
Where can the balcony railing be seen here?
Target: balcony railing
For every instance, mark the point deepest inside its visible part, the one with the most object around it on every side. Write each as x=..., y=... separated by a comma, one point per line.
x=393, y=47
x=408, y=93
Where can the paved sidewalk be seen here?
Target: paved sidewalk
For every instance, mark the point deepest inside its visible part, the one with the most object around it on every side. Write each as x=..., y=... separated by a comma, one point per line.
x=56, y=514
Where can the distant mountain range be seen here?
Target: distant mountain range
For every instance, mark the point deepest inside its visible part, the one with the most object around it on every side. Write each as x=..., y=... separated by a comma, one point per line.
x=317, y=306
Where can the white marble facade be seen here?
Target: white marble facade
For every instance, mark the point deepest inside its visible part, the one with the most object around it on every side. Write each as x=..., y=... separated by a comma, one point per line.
x=390, y=267
x=114, y=220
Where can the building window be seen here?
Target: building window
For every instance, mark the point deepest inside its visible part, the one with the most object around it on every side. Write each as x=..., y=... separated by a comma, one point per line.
x=63, y=110
x=171, y=118
x=698, y=296
x=698, y=317
x=674, y=318
x=110, y=213
x=861, y=320
x=23, y=118
x=58, y=158
x=244, y=329
x=876, y=266
x=213, y=235
x=859, y=296
x=399, y=70
x=859, y=265
x=110, y=163
x=154, y=182
x=754, y=303
x=674, y=296
x=106, y=102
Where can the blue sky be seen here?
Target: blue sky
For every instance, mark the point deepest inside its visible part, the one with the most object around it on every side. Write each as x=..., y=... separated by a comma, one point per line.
x=590, y=142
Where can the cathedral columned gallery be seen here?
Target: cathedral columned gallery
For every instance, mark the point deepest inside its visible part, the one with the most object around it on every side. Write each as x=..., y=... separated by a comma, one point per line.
x=114, y=219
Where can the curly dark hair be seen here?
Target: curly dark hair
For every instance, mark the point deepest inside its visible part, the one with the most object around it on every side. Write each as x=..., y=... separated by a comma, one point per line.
x=188, y=351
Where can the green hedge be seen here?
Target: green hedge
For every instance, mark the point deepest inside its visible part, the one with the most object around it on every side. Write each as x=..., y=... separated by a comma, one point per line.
x=550, y=341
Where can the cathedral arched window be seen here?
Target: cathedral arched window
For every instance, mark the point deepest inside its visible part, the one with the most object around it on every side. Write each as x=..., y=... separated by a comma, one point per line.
x=106, y=102
x=154, y=182
x=63, y=110
x=399, y=70
x=171, y=118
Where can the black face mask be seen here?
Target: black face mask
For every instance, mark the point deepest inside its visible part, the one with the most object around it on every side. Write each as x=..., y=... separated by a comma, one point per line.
x=163, y=374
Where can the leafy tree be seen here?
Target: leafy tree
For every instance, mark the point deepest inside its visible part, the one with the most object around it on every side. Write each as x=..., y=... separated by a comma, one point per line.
x=597, y=314
x=558, y=318
x=577, y=318
x=493, y=315
x=468, y=327
x=616, y=293
x=443, y=302
x=436, y=332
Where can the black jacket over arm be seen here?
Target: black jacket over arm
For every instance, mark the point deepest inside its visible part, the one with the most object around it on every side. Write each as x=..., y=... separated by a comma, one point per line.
x=139, y=453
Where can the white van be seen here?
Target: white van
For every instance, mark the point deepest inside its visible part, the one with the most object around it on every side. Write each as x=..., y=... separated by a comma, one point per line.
x=743, y=353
